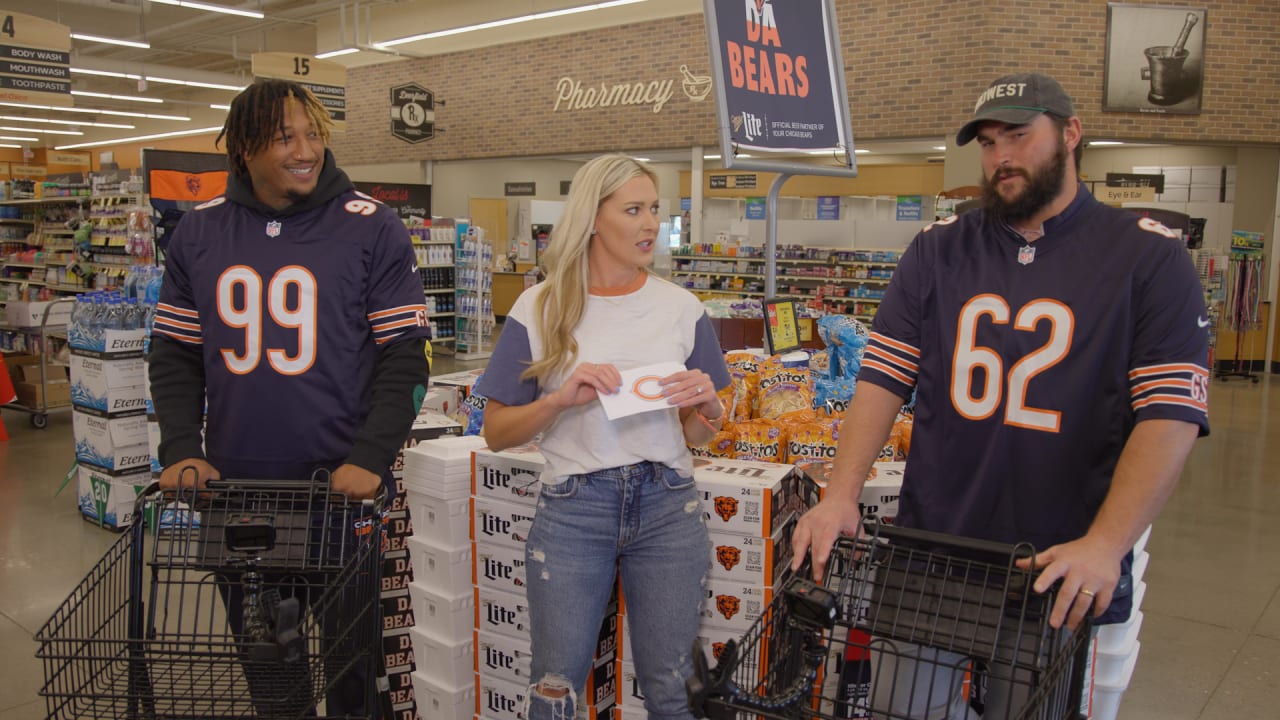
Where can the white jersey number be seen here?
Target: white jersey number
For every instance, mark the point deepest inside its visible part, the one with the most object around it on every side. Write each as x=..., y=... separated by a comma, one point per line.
x=248, y=315
x=979, y=403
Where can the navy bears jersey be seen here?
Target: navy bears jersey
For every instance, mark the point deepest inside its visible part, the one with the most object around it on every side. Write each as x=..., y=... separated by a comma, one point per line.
x=1033, y=363
x=289, y=314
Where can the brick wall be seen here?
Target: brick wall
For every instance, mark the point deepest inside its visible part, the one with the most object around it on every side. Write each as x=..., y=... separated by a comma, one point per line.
x=913, y=68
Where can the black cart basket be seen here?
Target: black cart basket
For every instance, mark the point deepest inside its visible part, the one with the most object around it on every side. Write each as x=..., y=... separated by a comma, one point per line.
x=908, y=625
x=248, y=599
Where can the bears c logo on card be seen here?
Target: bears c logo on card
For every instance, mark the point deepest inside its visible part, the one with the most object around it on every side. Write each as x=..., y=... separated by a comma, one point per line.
x=726, y=507
x=728, y=606
x=728, y=556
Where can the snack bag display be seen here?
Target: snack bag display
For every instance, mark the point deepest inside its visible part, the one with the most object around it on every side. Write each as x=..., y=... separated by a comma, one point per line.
x=471, y=413
x=719, y=446
x=813, y=441
x=758, y=440
x=739, y=395
x=782, y=390
x=901, y=432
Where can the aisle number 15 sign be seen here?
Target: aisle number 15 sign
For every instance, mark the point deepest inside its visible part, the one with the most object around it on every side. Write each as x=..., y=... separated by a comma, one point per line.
x=326, y=80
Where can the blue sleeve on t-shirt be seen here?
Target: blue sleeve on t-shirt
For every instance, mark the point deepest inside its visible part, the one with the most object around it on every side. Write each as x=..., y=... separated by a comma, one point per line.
x=511, y=357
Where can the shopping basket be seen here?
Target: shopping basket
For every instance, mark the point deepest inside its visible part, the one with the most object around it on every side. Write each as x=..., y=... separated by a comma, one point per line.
x=907, y=625
x=248, y=599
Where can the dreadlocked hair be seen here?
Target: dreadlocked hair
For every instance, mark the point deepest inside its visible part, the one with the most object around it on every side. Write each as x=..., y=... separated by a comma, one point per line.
x=257, y=115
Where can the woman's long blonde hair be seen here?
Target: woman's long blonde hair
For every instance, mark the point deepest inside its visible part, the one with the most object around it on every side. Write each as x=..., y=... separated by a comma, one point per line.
x=563, y=300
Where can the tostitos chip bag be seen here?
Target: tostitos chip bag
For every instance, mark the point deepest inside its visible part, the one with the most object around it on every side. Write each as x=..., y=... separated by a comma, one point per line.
x=782, y=390
x=757, y=440
x=814, y=441
x=719, y=446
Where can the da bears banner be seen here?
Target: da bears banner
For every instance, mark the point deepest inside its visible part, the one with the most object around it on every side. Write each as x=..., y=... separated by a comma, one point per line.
x=781, y=80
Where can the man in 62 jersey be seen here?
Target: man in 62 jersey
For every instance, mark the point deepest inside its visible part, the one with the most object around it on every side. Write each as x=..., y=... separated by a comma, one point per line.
x=293, y=305
x=1058, y=350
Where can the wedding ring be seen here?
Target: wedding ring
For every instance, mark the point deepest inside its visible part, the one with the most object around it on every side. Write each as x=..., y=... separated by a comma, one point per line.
x=1086, y=592
x=698, y=391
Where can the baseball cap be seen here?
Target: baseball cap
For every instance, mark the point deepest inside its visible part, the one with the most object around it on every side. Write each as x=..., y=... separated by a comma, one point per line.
x=1017, y=100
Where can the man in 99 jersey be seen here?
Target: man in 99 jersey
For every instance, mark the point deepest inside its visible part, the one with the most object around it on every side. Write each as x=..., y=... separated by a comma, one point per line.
x=1058, y=350
x=293, y=304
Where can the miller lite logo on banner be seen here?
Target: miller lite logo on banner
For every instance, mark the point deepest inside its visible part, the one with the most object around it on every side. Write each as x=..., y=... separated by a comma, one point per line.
x=777, y=66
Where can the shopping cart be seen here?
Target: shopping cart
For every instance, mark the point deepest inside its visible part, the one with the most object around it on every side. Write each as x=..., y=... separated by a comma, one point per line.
x=908, y=625
x=252, y=598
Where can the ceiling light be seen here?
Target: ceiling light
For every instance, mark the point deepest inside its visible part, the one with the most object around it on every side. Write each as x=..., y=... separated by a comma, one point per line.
x=212, y=8
x=3, y=145
x=1104, y=143
x=105, y=73
x=939, y=147
x=505, y=21
x=221, y=107
x=195, y=83
x=111, y=41
x=336, y=53
x=19, y=138
x=861, y=151
x=42, y=132
x=153, y=78
x=96, y=111
x=18, y=118
x=130, y=98
x=141, y=138
x=710, y=157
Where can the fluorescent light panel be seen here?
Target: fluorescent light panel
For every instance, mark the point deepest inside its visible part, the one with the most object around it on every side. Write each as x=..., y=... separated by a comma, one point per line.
x=111, y=41
x=153, y=78
x=505, y=21
x=18, y=138
x=1104, y=143
x=336, y=53
x=212, y=8
x=221, y=107
x=5, y=145
x=96, y=111
x=42, y=132
x=141, y=138
x=19, y=118
x=130, y=98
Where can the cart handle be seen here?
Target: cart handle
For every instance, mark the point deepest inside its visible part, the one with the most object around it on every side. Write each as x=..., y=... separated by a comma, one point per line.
x=875, y=527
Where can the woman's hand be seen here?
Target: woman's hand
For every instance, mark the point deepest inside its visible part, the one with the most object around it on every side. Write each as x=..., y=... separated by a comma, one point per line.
x=584, y=384
x=692, y=389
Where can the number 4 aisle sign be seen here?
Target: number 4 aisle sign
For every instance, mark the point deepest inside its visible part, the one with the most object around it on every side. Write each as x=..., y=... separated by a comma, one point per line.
x=35, y=60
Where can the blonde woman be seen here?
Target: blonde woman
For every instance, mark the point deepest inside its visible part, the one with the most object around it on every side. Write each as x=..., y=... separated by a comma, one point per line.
x=618, y=496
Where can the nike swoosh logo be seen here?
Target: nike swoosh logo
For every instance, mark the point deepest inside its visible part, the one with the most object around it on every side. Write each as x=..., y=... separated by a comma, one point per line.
x=1202, y=322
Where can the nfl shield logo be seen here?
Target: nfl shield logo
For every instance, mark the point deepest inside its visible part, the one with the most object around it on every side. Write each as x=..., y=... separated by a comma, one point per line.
x=1026, y=255
x=273, y=228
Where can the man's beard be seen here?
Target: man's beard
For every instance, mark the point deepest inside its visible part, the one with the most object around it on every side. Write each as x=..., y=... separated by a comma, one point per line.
x=1042, y=186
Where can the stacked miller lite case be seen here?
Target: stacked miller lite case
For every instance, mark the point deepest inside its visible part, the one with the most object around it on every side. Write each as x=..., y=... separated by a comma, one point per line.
x=426, y=556
x=505, y=487
x=750, y=510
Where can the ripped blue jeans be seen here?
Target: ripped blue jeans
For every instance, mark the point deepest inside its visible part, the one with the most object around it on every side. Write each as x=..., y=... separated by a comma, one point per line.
x=644, y=521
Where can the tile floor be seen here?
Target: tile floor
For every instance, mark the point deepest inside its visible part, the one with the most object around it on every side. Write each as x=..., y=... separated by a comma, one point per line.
x=1210, y=640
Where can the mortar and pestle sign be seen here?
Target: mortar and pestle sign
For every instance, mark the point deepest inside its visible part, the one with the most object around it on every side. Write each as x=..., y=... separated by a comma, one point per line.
x=1169, y=82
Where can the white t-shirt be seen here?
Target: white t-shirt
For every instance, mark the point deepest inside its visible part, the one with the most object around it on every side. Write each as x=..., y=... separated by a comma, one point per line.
x=657, y=322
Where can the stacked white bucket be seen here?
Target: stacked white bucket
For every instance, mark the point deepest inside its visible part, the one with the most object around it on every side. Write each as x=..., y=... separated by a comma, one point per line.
x=1115, y=649
x=437, y=484
x=749, y=508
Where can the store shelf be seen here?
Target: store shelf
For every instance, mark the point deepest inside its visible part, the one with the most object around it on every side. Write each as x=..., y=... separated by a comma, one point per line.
x=21, y=281
x=44, y=201
x=442, y=265
x=16, y=221
x=441, y=314
x=434, y=242
x=33, y=266
x=438, y=290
